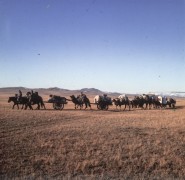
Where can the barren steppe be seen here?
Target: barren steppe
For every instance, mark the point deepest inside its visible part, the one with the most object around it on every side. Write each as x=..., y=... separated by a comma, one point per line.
x=91, y=144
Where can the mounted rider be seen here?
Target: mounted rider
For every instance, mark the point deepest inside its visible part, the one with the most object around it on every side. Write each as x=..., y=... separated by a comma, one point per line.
x=16, y=96
x=104, y=97
x=19, y=98
x=32, y=94
x=28, y=95
x=83, y=96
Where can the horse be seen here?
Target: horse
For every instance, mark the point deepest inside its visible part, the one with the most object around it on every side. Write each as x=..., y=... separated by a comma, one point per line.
x=77, y=101
x=34, y=98
x=23, y=100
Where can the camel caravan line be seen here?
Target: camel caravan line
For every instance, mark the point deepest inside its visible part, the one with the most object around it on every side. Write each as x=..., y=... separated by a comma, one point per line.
x=102, y=102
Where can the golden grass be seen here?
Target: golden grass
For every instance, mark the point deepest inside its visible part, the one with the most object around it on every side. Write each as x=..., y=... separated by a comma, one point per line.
x=92, y=144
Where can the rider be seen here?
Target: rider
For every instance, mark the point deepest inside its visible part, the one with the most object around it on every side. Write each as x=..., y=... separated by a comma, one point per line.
x=20, y=96
x=83, y=95
x=28, y=95
x=16, y=96
x=36, y=94
x=105, y=97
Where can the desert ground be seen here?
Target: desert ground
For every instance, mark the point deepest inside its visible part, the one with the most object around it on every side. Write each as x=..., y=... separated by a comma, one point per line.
x=91, y=144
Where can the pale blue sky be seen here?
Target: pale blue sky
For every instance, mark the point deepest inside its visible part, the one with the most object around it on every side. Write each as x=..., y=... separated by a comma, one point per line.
x=113, y=45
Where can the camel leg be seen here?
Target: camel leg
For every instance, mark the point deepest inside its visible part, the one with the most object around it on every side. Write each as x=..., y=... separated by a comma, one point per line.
x=30, y=107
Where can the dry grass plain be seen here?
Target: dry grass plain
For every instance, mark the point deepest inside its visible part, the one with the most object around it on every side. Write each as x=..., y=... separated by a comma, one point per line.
x=91, y=144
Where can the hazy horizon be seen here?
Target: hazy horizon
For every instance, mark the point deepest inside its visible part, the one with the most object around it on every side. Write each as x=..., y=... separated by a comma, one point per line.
x=102, y=90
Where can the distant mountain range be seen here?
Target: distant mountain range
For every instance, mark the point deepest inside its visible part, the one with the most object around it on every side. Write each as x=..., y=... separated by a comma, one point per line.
x=56, y=90
x=93, y=91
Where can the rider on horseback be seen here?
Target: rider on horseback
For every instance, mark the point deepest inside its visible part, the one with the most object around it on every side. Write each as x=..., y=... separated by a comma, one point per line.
x=16, y=96
x=20, y=96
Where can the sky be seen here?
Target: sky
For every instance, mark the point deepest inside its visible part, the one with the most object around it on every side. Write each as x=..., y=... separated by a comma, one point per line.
x=132, y=46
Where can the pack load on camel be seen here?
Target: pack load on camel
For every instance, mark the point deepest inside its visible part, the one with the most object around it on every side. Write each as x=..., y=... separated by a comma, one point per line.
x=102, y=102
x=123, y=97
x=162, y=100
x=58, y=101
x=122, y=100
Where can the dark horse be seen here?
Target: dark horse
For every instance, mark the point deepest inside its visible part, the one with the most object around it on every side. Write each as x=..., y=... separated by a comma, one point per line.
x=34, y=98
x=80, y=101
x=119, y=102
x=24, y=101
